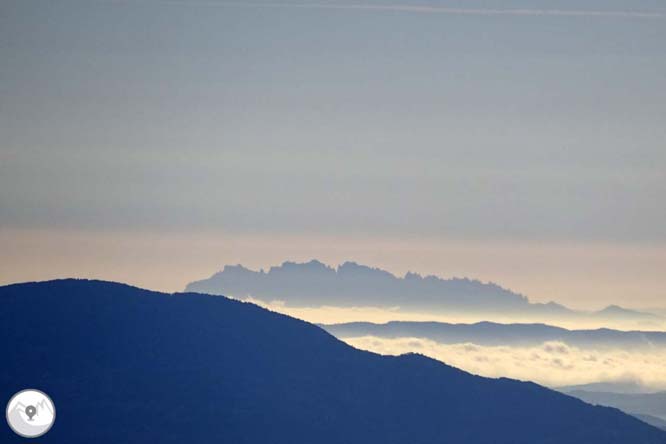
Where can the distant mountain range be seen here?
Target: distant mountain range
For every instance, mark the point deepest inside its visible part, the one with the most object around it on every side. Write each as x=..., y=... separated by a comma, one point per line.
x=493, y=334
x=134, y=366
x=314, y=284
x=628, y=387
x=649, y=407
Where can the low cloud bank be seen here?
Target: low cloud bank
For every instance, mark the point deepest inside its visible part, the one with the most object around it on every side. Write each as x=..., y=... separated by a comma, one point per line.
x=552, y=364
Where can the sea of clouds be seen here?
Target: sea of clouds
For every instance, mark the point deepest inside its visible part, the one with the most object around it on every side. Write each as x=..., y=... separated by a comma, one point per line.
x=553, y=364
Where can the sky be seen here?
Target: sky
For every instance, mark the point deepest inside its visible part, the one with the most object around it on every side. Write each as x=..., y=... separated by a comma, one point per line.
x=153, y=141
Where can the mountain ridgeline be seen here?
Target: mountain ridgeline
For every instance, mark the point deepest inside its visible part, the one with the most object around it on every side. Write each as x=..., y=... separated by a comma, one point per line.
x=651, y=405
x=134, y=366
x=314, y=284
x=494, y=334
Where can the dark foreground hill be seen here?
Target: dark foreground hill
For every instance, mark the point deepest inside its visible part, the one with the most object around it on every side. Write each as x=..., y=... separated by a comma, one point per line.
x=125, y=365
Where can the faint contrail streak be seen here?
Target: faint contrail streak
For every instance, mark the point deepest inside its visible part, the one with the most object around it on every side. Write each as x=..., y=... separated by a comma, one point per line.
x=425, y=9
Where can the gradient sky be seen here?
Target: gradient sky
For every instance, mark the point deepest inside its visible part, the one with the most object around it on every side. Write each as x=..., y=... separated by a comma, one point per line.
x=155, y=141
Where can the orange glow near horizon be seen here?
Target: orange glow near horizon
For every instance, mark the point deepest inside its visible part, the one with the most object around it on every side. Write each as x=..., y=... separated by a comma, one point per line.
x=581, y=276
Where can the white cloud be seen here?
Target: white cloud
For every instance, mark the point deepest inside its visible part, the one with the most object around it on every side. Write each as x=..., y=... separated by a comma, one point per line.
x=552, y=363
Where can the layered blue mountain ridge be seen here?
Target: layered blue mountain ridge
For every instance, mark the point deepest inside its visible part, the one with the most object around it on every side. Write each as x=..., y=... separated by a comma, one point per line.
x=495, y=334
x=128, y=365
x=315, y=284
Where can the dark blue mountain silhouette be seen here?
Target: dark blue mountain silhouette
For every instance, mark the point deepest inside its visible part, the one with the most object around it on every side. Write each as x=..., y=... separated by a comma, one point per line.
x=492, y=334
x=314, y=284
x=125, y=365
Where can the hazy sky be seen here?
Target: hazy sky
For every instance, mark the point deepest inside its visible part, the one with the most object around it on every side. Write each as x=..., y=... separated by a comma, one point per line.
x=154, y=141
